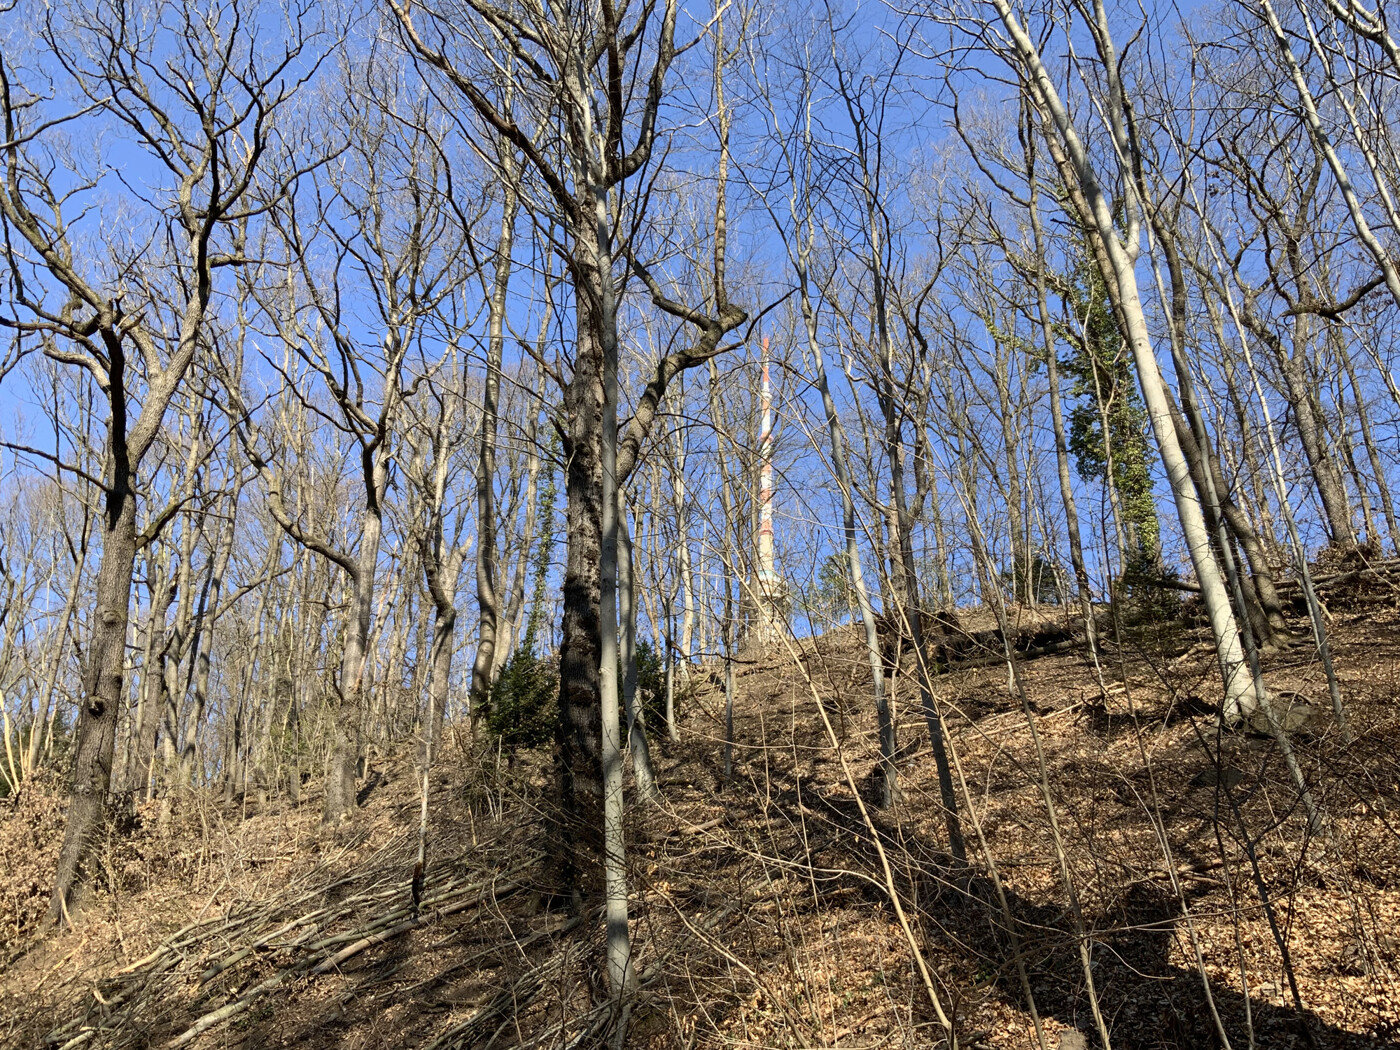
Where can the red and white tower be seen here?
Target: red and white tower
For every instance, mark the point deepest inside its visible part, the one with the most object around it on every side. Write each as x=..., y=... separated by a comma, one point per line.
x=768, y=589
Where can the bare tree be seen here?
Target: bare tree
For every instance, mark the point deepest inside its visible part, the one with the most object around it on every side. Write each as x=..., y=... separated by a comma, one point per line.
x=799, y=230
x=402, y=242
x=198, y=95
x=1116, y=254
x=572, y=69
x=491, y=613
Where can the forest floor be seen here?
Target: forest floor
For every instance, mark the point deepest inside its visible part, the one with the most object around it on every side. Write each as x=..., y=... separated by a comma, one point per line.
x=764, y=905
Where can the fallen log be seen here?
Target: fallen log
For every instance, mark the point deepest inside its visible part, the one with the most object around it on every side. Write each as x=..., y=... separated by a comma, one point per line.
x=1064, y=645
x=951, y=646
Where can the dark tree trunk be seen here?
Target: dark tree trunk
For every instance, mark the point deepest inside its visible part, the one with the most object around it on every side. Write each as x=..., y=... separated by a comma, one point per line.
x=102, y=686
x=913, y=614
x=579, y=730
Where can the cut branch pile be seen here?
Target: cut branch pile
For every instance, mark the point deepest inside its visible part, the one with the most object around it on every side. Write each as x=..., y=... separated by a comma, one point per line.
x=236, y=959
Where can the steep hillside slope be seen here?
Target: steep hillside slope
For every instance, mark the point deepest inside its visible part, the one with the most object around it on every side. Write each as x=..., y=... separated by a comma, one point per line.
x=781, y=908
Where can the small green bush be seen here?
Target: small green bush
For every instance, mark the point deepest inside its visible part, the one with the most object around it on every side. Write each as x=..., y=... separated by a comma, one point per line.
x=524, y=701
x=651, y=684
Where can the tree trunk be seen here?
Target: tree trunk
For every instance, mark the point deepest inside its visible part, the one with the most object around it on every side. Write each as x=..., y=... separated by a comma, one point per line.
x=42, y=717
x=102, y=686
x=637, y=741
x=1023, y=588
x=142, y=745
x=1363, y=418
x=904, y=569
x=204, y=637
x=579, y=734
x=1083, y=589
x=913, y=616
x=346, y=707
x=1210, y=487
x=173, y=657
x=1119, y=274
x=621, y=977
x=513, y=607
x=728, y=551
x=487, y=596
x=1223, y=516
x=1331, y=490
x=684, y=568
x=836, y=434
x=440, y=680
x=1240, y=698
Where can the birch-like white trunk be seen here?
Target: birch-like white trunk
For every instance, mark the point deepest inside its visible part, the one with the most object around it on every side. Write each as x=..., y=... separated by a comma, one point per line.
x=1240, y=698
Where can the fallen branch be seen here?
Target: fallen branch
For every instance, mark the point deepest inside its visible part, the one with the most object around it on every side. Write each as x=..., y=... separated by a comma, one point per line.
x=269, y=928
x=370, y=941
x=362, y=940
x=509, y=1001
